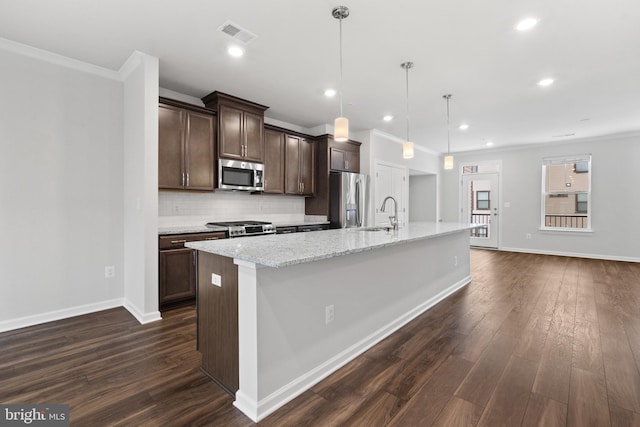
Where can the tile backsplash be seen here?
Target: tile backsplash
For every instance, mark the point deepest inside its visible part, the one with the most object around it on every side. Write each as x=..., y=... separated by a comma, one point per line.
x=186, y=209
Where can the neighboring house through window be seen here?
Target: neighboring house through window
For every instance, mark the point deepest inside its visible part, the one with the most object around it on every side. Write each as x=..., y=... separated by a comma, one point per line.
x=566, y=193
x=482, y=200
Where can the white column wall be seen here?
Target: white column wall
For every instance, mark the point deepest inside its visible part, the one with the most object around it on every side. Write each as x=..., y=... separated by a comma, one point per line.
x=140, y=190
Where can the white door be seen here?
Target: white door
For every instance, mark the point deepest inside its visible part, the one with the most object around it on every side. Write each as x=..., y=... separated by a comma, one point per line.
x=480, y=202
x=390, y=181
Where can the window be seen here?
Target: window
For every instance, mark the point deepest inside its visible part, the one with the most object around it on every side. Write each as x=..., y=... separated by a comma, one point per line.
x=566, y=193
x=581, y=203
x=482, y=200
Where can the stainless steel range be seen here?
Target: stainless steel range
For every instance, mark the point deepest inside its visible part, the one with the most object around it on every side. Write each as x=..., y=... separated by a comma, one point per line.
x=245, y=228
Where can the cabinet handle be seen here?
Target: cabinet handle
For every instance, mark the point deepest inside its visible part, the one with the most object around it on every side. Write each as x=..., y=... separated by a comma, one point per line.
x=346, y=164
x=212, y=238
x=187, y=179
x=183, y=179
x=178, y=241
x=302, y=186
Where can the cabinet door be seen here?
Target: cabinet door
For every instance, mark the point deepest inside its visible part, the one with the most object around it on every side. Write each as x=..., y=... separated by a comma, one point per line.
x=343, y=160
x=253, y=137
x=292, y=166
x=230, y=134
x=353, y=162
x=177, y=275
x=170, y=147
x=199, y=157
x=306, y=162
x=337, y=159
x=273, y=162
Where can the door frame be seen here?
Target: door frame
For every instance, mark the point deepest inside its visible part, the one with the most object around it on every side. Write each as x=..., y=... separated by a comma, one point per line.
x=491, y=166
x=405, y=189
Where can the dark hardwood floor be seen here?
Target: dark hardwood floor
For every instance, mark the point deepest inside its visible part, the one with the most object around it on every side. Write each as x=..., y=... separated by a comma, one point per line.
x=534, y=340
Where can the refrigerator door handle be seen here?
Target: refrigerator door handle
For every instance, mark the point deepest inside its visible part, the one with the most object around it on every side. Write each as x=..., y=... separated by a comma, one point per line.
x=359, y=205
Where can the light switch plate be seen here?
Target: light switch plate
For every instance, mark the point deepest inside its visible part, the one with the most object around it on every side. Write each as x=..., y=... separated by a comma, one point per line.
x=216, y=279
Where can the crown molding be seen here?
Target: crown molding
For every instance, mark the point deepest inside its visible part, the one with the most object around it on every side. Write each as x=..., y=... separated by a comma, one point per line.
x=54, y=58
x=401, y=141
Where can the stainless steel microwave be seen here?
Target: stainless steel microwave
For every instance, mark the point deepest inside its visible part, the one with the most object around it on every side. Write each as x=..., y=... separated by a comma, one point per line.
x=239, y=175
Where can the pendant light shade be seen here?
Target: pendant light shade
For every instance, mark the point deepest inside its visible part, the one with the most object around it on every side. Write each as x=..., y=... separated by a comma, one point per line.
x=341, y=129
x=341, y=125
x=448, y=159
x=448, y=162
x=407, y=150
x=407, y=147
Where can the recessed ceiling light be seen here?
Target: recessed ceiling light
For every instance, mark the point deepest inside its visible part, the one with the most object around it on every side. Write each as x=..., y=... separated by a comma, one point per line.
x=545, y=82
x=330, y=93
x=387, y=118
x=235, y=51
x=489, y=143
x=463, y=126
x=526, y=24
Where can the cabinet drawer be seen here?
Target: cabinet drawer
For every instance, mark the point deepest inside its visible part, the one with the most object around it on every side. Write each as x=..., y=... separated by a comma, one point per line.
x=176, y=241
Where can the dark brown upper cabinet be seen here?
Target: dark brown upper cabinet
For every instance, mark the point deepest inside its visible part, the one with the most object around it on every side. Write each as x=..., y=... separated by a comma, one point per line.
x=299, y=166
x=186, y=158
x=240, y=127
x=344, y=160
x=332, y=156
x=274, y=165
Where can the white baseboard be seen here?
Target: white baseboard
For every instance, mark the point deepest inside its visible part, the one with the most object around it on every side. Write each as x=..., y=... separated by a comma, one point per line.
x=572, y=254
x=259, y=410
x=50, y=316
x=139, y=315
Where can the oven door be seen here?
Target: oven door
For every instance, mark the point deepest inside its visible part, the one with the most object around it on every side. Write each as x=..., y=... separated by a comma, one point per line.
x=236, y=175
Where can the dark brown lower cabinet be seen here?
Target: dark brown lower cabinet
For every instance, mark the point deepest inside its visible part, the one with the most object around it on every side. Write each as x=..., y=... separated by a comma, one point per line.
x=218, y=320
x=177, y=268
x=177, y=276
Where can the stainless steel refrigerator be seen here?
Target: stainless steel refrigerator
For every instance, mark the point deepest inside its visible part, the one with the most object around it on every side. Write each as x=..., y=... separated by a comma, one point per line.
x=348, y=199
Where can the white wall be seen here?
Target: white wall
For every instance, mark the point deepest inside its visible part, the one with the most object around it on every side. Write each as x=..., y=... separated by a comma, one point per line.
x=140, y=74
x=61, y=179
x=379, y=146
x=615, y=200
x=423, y=194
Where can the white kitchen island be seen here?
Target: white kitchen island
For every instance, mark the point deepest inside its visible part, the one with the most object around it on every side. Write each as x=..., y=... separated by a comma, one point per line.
x=289, y=287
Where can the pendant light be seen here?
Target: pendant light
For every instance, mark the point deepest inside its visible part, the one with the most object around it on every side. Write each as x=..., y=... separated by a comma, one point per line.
x=407, y=146
x=341, y=125
x=448, y=159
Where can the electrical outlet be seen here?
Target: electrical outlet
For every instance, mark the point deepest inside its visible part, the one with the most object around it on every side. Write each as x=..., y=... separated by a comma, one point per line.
x=455, y=261
x=528, y=235
x=216, y=279
x=109, y=271
x=328, y=314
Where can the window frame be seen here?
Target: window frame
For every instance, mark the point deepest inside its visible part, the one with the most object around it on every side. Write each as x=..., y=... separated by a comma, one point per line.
x=549, y=161
x=488, y=200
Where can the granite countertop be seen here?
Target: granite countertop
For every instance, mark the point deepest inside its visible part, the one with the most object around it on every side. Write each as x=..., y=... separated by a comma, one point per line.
x=186, y=229
x=289, y=249
x=299, y=223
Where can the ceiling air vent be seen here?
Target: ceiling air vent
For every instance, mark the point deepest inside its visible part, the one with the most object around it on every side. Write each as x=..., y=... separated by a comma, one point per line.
x=237, y=33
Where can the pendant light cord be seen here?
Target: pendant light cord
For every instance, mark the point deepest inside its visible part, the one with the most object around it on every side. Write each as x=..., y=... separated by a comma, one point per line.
x=341, y=115
x=407, y=70
x=448, y=126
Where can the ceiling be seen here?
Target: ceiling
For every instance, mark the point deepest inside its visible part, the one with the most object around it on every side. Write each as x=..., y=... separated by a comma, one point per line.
x=469, y=49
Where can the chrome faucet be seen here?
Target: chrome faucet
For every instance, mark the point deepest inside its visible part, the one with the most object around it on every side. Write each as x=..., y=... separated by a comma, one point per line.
x=393, y=219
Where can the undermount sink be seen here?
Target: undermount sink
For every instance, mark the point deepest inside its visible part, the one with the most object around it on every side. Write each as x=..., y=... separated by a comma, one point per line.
x=375, y=229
